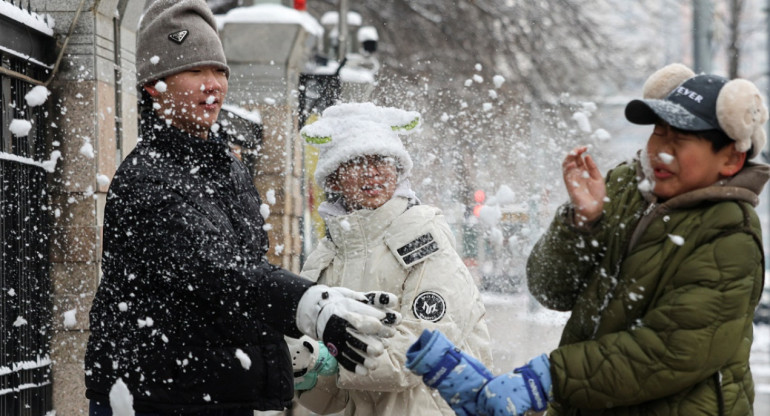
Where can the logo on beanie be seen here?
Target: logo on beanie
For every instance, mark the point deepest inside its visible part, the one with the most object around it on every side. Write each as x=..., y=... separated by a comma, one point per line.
x=179, y=37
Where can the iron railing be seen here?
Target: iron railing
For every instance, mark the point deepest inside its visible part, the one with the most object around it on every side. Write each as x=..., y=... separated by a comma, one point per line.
x=25, y=286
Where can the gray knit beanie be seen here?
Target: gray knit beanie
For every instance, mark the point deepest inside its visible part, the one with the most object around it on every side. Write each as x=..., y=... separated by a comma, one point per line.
x=174, y=36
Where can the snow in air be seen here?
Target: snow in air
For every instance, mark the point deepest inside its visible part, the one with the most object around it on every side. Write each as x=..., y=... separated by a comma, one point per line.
x=20, y=127
x=37, y=96
x=121, y=400
x=243, y=358
x=69, y=318
x=87, y=149
x=270, y=196
x=676, y=239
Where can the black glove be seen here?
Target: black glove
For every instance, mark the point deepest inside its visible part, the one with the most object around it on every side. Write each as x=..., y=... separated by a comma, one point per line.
x=350, y=324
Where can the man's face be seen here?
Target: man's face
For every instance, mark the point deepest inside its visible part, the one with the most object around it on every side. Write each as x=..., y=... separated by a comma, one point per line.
x=366, y=182
x=682, y=162
x=191, y=99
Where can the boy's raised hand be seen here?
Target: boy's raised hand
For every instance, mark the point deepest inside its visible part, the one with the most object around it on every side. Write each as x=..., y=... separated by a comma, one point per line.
x=585, y=185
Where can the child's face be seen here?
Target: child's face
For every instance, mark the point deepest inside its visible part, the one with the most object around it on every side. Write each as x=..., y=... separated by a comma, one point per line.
x=682, y=162
x=192, y=99
x=366, y=182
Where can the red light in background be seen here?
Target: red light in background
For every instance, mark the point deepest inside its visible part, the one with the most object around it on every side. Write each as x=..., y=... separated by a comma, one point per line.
x=479, y=196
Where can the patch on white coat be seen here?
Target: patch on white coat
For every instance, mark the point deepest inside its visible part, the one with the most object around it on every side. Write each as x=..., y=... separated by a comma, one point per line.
x=429, y=306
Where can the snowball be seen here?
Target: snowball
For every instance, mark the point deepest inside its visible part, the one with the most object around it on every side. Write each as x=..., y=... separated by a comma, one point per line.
x=589, y=107
x=270, y=196
x=490, y=214
x=215, y=127
x=19, y=321
x=496, y=237
x=121, y=401
x=601, y=135
x=498, y=80
x=264, y=210
x=270, y=101
x=37, y=96
x=161, y=86
x=676, y=239
x=87, y=149
x=478, y=78
x=492, y=94
x=487, y=106
x=102, y=180
x=147, y=322
x=278, y=249
x=243, y=358
x=582, y=120
x=468, y=82
x=69, y=318
x=122, y=306
x=20, y=127
x=210, y=99
x=50, y=164
x=267, y=227
x=665, y=157
x=505, y=195
x=155, y=59
x=478, y=67
x=645, y=186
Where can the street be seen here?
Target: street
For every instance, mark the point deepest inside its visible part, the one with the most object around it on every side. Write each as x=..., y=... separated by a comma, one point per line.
x=521, y=329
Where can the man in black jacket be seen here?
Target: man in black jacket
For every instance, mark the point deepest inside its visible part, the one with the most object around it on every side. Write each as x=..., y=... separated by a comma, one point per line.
x=189, y=317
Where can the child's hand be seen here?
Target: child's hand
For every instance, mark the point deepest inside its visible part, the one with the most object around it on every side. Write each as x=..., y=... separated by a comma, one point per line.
x=585, y=186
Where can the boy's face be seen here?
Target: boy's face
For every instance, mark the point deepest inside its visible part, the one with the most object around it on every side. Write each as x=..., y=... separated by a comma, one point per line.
x=366, y=182
x=191, y=99
x=682, y=162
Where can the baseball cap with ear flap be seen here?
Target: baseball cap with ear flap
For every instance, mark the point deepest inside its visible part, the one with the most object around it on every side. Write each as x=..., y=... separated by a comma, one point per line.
x=174, y=36
x=691, y=106
x=675, y=95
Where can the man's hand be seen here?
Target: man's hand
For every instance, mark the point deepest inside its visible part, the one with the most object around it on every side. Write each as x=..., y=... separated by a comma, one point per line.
x=457, y=376
x=519, y=392
x=585, y=186
x=309, y=359
x=349, y=323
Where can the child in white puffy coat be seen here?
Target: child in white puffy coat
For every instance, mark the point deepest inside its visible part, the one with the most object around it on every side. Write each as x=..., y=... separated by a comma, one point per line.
x=379, y=237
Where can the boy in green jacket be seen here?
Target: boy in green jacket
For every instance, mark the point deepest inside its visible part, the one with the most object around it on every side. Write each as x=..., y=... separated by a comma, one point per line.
x=661, y=265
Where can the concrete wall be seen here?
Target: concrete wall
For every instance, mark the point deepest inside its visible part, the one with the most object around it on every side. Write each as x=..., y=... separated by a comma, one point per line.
x=265, y=76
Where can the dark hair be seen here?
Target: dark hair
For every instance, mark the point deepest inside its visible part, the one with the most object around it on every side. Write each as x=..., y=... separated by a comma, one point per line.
x=145, y=100
x=719, y=140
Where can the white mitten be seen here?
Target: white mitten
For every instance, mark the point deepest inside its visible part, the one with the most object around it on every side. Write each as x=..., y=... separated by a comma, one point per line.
x=349, y=323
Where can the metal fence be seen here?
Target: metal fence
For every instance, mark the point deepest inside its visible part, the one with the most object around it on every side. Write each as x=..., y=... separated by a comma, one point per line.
x=25, y=287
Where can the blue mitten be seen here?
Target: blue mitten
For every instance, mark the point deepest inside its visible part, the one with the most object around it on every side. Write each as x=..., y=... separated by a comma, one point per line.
x=457, y=376
x=525, y=388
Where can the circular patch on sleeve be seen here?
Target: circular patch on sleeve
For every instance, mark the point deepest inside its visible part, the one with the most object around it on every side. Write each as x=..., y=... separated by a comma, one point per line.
x=429, y=306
